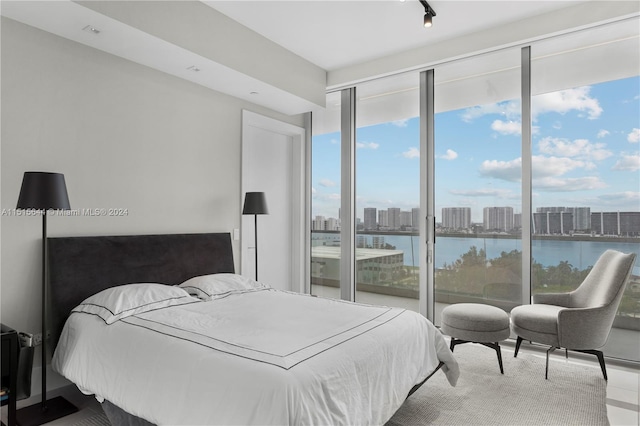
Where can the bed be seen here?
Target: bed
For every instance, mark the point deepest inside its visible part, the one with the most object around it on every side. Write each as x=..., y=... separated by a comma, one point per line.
x=161, y=330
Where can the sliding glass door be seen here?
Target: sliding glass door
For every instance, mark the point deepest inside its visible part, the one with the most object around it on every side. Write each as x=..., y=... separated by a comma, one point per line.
x=586, y=163
x=478, y=175
x=388, y=192
x=325, y=200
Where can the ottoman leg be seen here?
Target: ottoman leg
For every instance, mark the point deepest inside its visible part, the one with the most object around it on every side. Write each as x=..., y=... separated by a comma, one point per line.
x=495, y=346
x=518, y=343
x=455, y=342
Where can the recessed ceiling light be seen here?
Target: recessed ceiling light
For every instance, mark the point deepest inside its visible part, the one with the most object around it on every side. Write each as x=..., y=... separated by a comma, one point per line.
x=91, y=29
x=193, y=68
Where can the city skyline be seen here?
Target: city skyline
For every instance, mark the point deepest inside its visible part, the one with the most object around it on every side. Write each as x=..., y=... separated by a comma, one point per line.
x=585, y=152
x=545, y=220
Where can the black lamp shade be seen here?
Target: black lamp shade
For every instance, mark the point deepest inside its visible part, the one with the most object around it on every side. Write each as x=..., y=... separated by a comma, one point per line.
x=43, y=191
x=255, y=203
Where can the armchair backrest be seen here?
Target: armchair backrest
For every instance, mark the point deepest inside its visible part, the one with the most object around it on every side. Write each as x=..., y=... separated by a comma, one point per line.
x=605, y=282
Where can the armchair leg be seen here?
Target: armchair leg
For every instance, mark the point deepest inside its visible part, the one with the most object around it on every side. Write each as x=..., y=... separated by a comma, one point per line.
x=600, y=356
x=546, y=370
x=518, y=343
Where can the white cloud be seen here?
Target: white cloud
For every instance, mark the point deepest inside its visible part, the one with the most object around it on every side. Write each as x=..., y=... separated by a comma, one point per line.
x=628, y=163
x=621, y=197
x=401, y=123
x=327, y=183
x=568, y=184
x=634, y=136
x=411, y=153
x=505, y=170
x=554, y=166
x=367, y=145
x=542, y=166
x=482, y=192
x=509, y=110
x=579, y=148
x=507, y=127
x=564, y=101
x=450, y=155
x=561, y=102
x=602, y=133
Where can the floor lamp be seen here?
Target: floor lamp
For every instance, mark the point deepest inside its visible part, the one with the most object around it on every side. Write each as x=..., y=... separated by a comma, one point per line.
x=255, y=203
x=44, y=191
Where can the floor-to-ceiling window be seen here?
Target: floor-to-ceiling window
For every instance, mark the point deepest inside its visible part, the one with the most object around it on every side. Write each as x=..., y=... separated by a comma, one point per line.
x=563, y=189
x=478, y=164
x=325, y=200
x=586, y=164
x=387, y=187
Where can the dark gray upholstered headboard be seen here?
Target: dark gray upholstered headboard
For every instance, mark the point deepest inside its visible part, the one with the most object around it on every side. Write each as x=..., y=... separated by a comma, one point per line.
x=82, y=266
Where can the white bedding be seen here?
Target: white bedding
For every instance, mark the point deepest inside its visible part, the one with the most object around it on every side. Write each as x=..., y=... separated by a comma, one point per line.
x=256, y=357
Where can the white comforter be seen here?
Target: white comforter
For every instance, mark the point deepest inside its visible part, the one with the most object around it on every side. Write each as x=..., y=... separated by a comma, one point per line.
x=262, y=357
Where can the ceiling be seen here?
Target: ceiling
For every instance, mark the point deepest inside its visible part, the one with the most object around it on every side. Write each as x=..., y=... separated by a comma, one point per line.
x=337, y=33
x=332, y=34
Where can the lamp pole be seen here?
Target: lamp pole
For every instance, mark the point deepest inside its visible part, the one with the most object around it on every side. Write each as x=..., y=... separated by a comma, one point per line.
x=255, y=234
x=255, y=204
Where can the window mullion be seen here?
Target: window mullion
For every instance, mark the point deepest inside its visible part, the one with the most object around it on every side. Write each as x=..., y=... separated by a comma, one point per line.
x=348, y=195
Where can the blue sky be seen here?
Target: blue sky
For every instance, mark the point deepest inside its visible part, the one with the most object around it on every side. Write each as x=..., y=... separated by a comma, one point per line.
x=586, y=153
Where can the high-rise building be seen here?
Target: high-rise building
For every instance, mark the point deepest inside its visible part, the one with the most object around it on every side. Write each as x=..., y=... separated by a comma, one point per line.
x=581, y=216
x=415, y=218
x=553, y=223
x=370, y=218
x=394, y=217
x=406, y=219
x=624, y=224
x=319, y=223
x=498, y=218
x=456, y=217
x=383, y=218
x=333, y=224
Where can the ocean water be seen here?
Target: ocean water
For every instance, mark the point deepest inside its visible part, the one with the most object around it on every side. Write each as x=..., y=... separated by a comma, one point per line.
x=580, y=254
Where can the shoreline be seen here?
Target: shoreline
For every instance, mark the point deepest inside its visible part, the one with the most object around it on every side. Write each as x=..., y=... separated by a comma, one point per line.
x=575, y=238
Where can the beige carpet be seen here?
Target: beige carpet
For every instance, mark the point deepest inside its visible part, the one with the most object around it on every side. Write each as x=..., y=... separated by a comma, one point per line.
x=573, y=395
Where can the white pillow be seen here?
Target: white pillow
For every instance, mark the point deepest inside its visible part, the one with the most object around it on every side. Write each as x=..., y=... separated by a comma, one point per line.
x=215, y=286
x=115, y=303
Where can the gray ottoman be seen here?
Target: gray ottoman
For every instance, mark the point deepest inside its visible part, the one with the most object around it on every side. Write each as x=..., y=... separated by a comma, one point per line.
x=476, y=323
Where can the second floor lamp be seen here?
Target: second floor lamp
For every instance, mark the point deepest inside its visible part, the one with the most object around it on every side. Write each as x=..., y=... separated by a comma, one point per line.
x=255, y=203
x=44, y=191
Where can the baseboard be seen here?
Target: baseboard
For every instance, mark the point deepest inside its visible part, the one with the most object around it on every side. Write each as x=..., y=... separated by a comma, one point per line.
x=542, y=349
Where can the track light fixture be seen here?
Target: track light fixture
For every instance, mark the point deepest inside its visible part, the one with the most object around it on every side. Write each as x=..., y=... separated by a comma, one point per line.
x=428, y=14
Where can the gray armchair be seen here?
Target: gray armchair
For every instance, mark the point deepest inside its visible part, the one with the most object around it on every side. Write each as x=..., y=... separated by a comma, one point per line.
x=580, y=320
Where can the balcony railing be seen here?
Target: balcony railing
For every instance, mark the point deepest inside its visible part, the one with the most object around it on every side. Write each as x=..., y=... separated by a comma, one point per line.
x=473, y=268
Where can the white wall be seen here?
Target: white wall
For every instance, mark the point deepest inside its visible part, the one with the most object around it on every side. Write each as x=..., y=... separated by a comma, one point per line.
x=125, y=136
x=213, y=35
